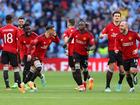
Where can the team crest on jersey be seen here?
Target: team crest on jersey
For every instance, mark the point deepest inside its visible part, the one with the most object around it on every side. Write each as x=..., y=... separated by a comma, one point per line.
x=114, y=34
x=130, y=38
x=71, y=30
x=84, y=38
x=121, y=40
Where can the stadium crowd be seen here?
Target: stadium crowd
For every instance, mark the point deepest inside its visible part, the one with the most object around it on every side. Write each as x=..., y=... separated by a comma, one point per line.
x=96, y=12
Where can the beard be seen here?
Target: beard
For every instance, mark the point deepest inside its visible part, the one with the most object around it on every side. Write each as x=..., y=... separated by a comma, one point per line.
x=21, y=26
x=123, y=31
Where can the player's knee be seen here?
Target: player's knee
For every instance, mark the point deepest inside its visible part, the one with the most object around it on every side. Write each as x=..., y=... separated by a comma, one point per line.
x=73, y=69
x=16, y=69
x=5, y=67
x=133, y=70
x=111, y=67
x=77, y=66
x=37, y=64
x=121, y=69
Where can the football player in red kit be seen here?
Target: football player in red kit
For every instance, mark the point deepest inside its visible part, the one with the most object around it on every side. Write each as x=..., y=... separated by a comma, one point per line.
x=9, y=35
x=83, y=42
x=126, y=40
x=25, y=40
x=21, y=22
x=36, y=54
x=70, y=47
x=111, y=31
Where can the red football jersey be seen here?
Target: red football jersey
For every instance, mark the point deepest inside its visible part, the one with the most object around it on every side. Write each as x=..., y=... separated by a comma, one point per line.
x=24, y=42
x=39, y=46
x=9, y=35
x=112, y=31
x=128, y=44
x=20, y=32
x=82, y=41
x=1, y=47
x=68, y=33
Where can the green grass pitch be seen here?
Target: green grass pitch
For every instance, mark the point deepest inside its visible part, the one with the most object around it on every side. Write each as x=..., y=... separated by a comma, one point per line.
x=60, y=91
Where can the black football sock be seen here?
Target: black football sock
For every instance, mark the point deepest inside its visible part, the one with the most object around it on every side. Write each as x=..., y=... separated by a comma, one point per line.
x=129, y=80
x=38, y=70
x=34, y=76
x=24, y=74
x=26, y=69
x=17, y=78
x=108, y=78
x=78, y=77
x=121, y=77
x=74, y=76
x=28, y=77
x=40, y=75
x=86, y=74
x=6, y=78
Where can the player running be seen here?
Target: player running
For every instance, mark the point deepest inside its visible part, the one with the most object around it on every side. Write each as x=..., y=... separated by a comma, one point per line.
x=111, y=31
x=83, y=42
x=9, y=35
x=127, y=41
x=36, y=54
x=70, y=30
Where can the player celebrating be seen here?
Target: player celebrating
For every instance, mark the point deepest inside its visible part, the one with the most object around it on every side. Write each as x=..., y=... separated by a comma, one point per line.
x=21, y=22
x=70, y=47
x=127, y=41
x=112, y=30
x=71, y=29
x=25, y=40
x=83, y=42
x=36, y=54
x=9, y=35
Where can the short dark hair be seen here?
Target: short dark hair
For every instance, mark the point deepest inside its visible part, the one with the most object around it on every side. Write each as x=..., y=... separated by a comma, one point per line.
x=49, y=27
x=21, y=17
x=71, y=21
x=26, y=24
x=9, y=18
x=116, y=12
x=82, y=20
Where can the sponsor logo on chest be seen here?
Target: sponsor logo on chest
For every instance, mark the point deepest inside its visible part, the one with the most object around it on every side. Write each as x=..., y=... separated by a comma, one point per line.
x=113, y=34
